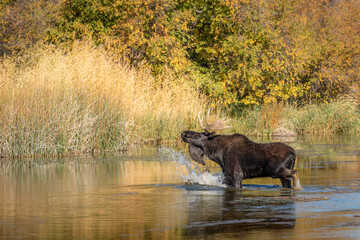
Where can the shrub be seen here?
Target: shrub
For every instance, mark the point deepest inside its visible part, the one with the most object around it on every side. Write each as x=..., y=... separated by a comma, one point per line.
x=25, y=23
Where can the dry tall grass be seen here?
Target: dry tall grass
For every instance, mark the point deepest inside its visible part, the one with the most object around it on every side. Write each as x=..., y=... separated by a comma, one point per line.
x=57, y=102
x=338, y=117
x=68, y=102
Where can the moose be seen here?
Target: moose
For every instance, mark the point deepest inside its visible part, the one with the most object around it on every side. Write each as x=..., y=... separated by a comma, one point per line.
x=241, y=158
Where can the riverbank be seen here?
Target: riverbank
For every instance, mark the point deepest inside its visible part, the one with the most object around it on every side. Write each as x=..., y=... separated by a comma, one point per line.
x=280, y=119
x=54, y=102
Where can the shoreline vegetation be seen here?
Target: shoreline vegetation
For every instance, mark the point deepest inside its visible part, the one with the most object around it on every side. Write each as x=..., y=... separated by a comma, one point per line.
x=57, y=102
x=90, y=76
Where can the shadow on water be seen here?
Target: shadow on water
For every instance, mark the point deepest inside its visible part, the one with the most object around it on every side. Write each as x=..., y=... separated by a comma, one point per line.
x=152, y=195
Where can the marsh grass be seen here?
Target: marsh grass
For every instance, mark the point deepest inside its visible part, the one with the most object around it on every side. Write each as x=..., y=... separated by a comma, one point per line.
x=338, y=117
x=56, y=102
x=341, y=116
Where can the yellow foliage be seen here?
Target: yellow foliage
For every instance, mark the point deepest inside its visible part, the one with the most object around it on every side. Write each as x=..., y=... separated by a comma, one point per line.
x=238, y=53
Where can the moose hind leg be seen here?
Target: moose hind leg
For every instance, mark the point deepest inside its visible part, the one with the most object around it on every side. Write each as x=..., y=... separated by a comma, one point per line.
x=285, y=182
x=295, y=176
x=285, y=176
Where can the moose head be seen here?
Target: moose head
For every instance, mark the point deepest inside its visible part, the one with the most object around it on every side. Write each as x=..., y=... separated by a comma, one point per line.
x=197, y=140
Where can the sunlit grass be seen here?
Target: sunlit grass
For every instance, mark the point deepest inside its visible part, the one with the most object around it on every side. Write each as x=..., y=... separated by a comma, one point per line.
x=338, y=117
x=57, y=102
x=341, y=116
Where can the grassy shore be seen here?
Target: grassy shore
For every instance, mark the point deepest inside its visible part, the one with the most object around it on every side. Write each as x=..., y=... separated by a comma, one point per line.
x=282, y=119
x=56, y=102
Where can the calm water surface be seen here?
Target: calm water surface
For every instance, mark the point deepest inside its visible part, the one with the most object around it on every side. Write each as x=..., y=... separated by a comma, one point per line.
x=162, y=195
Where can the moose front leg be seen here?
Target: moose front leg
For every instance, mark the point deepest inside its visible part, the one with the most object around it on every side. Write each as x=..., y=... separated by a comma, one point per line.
x=237, y=180
x=295, y=176
x=233, y=181
x=227, y=180
x=237, y=176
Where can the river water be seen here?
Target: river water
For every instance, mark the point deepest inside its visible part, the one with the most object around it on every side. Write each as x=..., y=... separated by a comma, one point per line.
x=160, y=194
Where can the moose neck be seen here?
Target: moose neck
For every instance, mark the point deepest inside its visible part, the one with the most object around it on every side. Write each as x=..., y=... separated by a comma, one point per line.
x=214, y=149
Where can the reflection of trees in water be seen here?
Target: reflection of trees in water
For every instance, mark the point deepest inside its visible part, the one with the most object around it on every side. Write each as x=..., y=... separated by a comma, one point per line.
x=237, y=212
x=107, y=198
x=316, y=167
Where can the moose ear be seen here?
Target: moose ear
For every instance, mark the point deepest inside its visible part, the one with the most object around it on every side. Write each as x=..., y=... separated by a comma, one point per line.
x=196, y=154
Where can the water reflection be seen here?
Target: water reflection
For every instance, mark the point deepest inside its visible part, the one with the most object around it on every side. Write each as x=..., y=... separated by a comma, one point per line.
x=240, y=214
x=144, y=197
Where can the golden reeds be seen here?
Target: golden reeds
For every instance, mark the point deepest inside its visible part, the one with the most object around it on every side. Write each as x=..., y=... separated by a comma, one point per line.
x=55, y=101
x=58, y=102
x=338, y=117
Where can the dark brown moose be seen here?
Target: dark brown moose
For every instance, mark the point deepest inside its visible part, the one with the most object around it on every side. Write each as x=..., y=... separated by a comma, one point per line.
x=241, y=158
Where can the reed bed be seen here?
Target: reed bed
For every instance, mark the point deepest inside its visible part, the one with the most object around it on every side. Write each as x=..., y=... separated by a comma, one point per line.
x=68, y=102
x=54, y=102
x=286, y=119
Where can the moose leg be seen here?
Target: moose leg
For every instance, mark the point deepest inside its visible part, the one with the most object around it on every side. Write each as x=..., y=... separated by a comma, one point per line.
x=227, y=180
x=288, y=164
x=285, y=176
x=285, y=182
x=237, y=176
x=295, y=176
x=234, y=180
x=233, y=176
x=237, y=180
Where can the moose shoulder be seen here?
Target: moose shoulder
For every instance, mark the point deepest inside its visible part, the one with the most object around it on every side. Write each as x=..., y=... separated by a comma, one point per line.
x=241, y=158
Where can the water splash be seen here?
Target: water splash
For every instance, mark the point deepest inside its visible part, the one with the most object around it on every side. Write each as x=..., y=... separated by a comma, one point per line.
x=189, y=172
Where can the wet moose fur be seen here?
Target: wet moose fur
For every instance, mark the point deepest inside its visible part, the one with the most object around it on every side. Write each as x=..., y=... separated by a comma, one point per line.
x=241, y=158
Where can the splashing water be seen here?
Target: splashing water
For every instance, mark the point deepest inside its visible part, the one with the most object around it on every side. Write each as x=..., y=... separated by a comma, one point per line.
x=189, y=172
